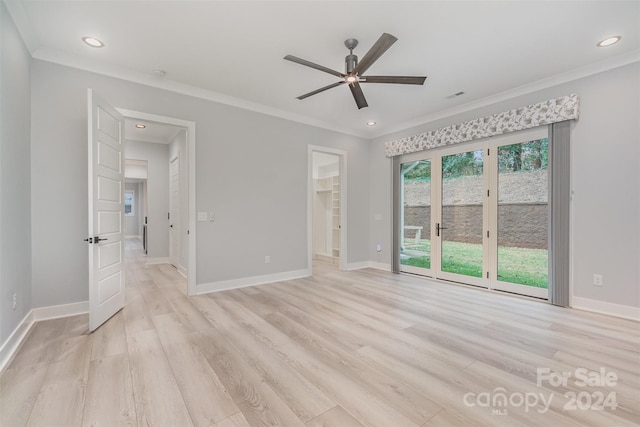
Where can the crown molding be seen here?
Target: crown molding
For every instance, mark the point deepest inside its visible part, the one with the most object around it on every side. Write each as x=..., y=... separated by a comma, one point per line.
x=575, y=74
x=110, y=70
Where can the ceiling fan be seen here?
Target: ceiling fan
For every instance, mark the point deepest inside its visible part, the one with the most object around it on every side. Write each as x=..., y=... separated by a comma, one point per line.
x=354, y=70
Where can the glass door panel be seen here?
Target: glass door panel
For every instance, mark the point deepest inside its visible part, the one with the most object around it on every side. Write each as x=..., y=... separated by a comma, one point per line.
x=462, y=216
x=523, y=217
x=415, y=246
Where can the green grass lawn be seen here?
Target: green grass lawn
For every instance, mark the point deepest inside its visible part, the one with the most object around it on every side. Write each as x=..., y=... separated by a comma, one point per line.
x=515, y=265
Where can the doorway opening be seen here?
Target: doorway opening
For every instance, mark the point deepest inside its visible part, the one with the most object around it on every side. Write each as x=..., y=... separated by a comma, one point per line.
x=327, y=219
x=167, y=145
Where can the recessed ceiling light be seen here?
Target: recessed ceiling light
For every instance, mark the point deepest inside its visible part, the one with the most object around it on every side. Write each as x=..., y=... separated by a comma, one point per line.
x=609, y=41
x=140, y=126
x=92, y=41
x=371, y=123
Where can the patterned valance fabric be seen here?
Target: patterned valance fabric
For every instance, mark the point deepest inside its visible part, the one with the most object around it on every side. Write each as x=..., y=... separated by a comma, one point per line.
x=543, y=113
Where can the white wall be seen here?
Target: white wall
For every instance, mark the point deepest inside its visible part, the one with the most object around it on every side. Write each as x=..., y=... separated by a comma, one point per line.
x=251, y=172
x=178, y=147
x=157, y=157
x=15, y=181
x=605, y=225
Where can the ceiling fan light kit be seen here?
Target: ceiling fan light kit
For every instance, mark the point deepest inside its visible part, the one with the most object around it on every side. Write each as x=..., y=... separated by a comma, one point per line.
x=354, y=70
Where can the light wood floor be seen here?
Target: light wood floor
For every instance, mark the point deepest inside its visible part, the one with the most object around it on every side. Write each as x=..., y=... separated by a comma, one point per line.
x=339, y=348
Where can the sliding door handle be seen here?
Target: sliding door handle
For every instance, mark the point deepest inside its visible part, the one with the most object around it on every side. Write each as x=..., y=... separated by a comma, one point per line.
x=438, y=228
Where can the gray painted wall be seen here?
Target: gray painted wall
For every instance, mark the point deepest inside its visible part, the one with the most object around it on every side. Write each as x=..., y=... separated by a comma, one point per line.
x=15, y=177
x=251, y=172
x=157, y=157
x=605, y=226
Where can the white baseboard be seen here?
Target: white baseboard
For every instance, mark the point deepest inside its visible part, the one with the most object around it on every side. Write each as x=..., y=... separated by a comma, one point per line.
x=58, y=311
x=161, y=260
x=225, y=285
x=380, y=266
x=11, y=346
x=358, y=265
x=602, y=307
x=183, y=271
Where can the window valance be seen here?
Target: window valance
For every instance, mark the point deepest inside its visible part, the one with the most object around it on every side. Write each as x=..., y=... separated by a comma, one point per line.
x=543, y=113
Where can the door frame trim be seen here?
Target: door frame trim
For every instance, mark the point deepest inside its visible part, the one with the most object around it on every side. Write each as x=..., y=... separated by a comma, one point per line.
x=191, y=183
x=343, y=203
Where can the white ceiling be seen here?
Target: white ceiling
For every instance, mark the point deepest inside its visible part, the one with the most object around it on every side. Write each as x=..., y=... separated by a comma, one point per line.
x=159, y=133
x=231, y=51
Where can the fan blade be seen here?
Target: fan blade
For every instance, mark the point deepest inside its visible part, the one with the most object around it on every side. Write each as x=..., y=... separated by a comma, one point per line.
x=356, y=91
x=404, y=80
x=322, y=89
x=384, y=42
x=312, y=65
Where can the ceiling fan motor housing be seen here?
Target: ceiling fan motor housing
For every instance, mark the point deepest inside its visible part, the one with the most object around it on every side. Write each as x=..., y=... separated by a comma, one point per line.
x=350, y=63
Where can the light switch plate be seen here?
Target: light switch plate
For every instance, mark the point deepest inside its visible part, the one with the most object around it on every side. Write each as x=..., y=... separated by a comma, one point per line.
x=202, y=216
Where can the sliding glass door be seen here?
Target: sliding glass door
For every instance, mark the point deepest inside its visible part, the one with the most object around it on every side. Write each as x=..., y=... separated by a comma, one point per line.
x=462, y=216
x=415, y=246
x=478, y=214
x=521, y=219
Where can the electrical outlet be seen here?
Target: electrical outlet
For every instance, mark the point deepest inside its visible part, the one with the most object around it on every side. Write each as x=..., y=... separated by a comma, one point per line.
x=379, y=247
x=15, y=301
x=597, y=280
x=267, y=259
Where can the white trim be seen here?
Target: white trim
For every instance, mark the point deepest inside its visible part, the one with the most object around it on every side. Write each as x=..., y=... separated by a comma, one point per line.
x=380, y=265
x=58, y=311
x=182, y=271
x=608, y=308
x=191, y=170
x=358, y=265
x=558, y=79
x=12, y=344
x=111, y=70
x=225, y=285
x=343, y=203
x=159, y=260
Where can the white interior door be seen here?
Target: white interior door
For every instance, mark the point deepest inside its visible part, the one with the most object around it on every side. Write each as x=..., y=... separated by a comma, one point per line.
x=174, y=216
x=106, y=217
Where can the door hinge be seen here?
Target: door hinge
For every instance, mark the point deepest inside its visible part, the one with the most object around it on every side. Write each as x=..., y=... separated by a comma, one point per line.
x=187, y=231
x=487, y=193
x=487, y=233
x=168, y=215
x=488, y=151
x=487, y=274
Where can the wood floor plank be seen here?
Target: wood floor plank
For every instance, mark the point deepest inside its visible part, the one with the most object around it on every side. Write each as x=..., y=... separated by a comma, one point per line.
x=259, y=404
x=304, y=399
x=336, y=416
x=19, y=389
x=204, y=394
x=110, y=400
x=62, y=394
x=157, y=395
x=110, y=339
